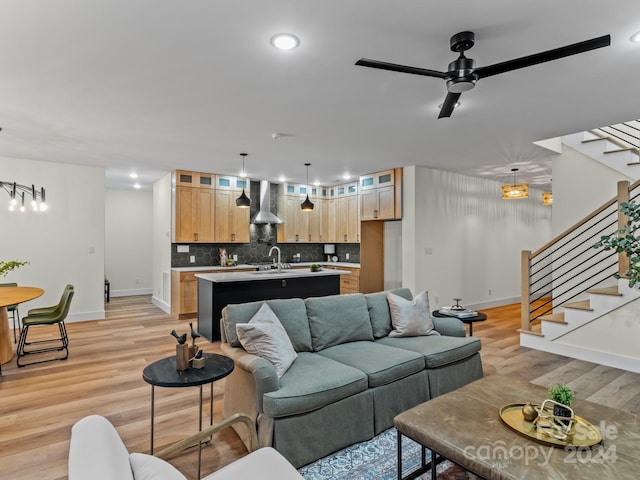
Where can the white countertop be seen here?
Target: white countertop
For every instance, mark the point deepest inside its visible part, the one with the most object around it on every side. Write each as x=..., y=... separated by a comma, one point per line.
x=213, y=267
x=254, y=267
x=267, y=275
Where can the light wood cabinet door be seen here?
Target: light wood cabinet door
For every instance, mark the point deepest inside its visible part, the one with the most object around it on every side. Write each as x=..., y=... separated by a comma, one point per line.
x=291, y=231
x=353, y=219
x=232, y=223
x=377, y=203
x=194, y=215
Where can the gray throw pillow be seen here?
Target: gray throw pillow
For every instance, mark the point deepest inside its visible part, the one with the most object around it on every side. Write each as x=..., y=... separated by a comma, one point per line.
x=410, y=318
x=265, y=337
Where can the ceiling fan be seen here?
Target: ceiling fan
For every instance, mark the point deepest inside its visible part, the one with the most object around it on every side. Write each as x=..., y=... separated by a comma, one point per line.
x=462, y=73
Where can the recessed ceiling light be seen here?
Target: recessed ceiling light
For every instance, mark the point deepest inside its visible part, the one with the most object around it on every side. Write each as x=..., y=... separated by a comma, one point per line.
x=137, y=186
x=635, y=38
x=346, y=176
x=282, y=178
x=133, y=175
x=285, y=41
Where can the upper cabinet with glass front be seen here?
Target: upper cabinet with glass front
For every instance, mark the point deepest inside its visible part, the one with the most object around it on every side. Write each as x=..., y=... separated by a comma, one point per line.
x=381, y=195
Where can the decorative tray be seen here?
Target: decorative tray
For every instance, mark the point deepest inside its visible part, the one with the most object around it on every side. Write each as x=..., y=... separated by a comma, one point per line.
x=582, y=434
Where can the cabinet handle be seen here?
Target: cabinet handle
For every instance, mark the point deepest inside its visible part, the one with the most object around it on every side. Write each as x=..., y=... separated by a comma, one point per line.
x=375, y=214
x=345, y=237
x=195, y=237
x=233, y=237
x=309, y=237
x=297, y=237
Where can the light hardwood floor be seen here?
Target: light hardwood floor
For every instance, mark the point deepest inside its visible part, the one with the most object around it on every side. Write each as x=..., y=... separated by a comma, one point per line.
x=103, y=375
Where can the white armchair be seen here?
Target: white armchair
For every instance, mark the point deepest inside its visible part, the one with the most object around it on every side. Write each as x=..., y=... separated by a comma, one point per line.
x=97, y=452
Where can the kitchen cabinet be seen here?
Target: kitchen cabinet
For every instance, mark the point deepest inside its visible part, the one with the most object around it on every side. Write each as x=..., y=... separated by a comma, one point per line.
x=348, y=283
x=232, y=223
x=299, y=226
x=347, y=214
x=193, y=215
x=381, y=195
x=204, y=209
x=185, y=178
x=184, y=291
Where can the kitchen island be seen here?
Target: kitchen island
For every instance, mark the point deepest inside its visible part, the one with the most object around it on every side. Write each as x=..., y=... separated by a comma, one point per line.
x=217, y=290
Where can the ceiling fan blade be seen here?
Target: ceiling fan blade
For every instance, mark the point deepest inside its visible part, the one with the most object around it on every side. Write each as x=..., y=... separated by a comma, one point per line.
x=449, y=104
x=394, y=67
x=542, y=57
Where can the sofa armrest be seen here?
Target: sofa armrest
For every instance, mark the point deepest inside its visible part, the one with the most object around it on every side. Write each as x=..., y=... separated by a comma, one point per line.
x=449, y=326
x=262, y=371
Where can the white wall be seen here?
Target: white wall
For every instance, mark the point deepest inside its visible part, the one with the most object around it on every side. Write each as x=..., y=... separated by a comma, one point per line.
x=128, y=239
x=64, y=244
x=162, y=243
x=460, y=239
x=580, y=185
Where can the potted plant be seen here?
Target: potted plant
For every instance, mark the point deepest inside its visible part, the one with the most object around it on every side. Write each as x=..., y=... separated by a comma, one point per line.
x=627, y=241
x=315, y=267
x=6, y=267
x=562, y=396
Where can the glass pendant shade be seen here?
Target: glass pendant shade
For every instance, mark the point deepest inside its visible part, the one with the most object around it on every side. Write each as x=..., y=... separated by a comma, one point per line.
x=307, y=205
x=243, y=201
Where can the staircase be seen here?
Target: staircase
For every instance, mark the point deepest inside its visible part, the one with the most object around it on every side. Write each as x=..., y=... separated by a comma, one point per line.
x=571, y=303
x=617, y=146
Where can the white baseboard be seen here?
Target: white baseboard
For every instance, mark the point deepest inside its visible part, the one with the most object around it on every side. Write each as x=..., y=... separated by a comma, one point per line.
x=84, y=316
x=164, y=306
x=493, y=303
x=132, y=292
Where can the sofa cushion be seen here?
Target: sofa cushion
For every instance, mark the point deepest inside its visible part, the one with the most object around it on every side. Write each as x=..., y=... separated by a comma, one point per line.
x=148, y=467
x=312, y=382
x=265, y=336
x=410, y=318
x=337, y=319
x=291, y=312
x=381, y=363
x=437, y=350
x=379, y=314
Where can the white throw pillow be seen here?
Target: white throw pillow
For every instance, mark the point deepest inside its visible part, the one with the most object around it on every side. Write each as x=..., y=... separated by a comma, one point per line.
x=265, y=336
x=410, y=318
x=148, y=467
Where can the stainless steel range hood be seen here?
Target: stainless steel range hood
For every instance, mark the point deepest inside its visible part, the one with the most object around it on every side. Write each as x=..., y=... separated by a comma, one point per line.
x=264, y=214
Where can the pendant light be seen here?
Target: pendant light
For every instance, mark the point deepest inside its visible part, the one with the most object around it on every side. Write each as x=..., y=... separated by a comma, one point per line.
x=307, y=205
x=243, y=201
x=515, y=190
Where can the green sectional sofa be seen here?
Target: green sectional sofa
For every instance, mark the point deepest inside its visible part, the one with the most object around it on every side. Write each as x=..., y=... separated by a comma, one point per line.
x=349, y=378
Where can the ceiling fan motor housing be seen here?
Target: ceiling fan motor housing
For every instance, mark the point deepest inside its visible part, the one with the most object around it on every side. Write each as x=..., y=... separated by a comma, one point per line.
x=460, y=76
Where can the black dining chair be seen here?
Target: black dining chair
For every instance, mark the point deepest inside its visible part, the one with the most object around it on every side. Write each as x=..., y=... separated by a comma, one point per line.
x=54, y=315
x=13, y=310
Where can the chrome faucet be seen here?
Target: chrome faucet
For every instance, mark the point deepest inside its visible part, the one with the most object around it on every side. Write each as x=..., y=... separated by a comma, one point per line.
x=278, y=250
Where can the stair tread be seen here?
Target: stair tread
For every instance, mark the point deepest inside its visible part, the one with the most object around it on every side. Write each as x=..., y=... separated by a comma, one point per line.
x=633, y=163
x=582, y=305
x=605, y=291
x=535, y=330
x=554, y=317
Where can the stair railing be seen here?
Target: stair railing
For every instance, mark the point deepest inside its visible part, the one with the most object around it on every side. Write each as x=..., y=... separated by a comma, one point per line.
x=568, y=266
x=625, y=135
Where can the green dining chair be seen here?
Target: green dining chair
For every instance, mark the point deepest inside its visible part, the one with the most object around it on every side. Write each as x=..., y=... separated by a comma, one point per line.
x=54, y=315
x=13, y=310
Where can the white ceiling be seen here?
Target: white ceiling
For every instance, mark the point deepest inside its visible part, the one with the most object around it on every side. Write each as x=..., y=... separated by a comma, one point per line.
x=154, y=85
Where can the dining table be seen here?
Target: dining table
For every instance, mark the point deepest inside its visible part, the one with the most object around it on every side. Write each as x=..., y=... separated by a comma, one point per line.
x=12, y=296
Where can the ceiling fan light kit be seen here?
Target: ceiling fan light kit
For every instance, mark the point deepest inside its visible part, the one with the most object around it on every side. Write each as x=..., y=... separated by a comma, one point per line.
x=462, y=74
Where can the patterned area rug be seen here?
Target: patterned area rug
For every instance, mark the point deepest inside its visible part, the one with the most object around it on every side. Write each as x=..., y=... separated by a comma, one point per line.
x=377, y=460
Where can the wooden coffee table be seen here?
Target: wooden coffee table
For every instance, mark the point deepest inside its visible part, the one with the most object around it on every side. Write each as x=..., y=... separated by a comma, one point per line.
x=464, y=426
